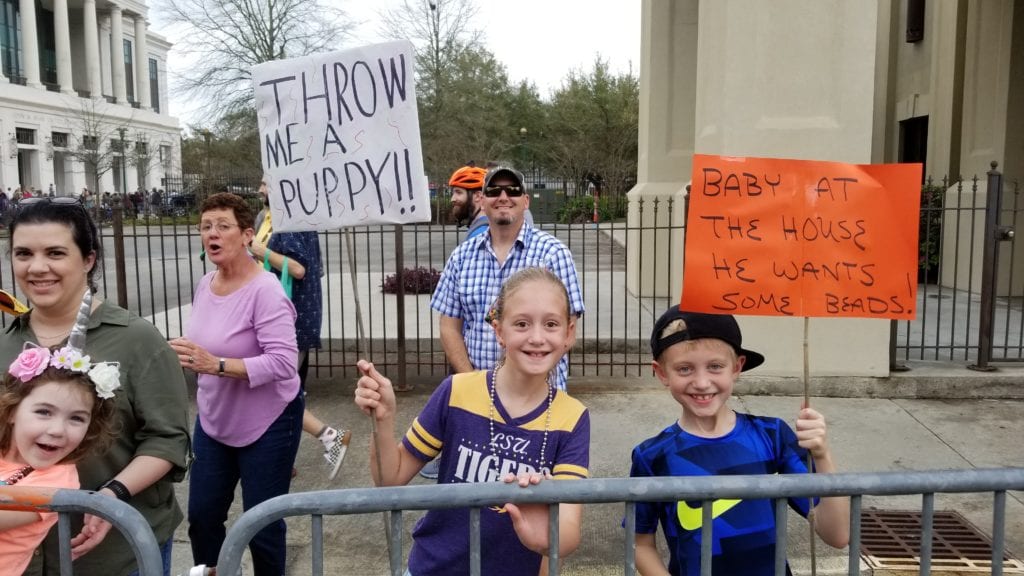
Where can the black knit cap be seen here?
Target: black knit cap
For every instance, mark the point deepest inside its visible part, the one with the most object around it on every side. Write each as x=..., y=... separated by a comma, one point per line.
x=698, y=325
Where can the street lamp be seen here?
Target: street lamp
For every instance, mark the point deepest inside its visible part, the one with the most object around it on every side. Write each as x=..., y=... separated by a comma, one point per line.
x=522, y=148
x=124, y=161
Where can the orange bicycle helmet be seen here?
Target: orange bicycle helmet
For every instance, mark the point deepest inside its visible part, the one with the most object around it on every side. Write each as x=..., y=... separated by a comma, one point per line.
x=468, y=177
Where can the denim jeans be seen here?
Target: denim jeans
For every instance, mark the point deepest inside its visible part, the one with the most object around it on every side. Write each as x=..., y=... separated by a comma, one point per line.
x=165, y=555
x=265, y=470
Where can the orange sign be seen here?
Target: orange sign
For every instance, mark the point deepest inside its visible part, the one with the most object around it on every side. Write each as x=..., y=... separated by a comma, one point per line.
x=773, y=237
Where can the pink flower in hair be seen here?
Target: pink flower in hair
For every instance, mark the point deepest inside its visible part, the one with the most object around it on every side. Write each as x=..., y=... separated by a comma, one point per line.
x=30, y=363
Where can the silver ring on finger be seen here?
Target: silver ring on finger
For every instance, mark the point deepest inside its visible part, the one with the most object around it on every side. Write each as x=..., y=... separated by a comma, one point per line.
x=191, y=359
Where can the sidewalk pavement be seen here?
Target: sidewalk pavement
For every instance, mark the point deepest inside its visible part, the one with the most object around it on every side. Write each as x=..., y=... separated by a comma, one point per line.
x=866, y=435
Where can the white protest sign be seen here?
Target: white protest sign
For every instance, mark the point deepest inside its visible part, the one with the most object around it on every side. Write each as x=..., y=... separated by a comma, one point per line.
x=340, y=138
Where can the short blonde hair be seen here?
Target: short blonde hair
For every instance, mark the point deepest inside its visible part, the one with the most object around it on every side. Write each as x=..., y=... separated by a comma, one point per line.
x=522, y=277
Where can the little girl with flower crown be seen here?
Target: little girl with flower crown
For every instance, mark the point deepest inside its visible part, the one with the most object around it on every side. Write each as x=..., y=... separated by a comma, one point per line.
x=56, y=406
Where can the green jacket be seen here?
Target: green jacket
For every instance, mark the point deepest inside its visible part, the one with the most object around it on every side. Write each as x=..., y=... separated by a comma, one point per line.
x=153, y=408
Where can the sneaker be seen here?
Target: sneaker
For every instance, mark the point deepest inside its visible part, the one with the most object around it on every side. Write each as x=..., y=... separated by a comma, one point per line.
x=432, y=469
x=334, y=452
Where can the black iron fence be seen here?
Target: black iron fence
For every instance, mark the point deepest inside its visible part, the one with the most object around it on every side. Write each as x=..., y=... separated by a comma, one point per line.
x=971, y=277
x=151, y=265
x=970, y=293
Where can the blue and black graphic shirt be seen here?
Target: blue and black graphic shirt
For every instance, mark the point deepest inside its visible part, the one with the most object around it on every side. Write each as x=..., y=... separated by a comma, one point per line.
x=743, y=530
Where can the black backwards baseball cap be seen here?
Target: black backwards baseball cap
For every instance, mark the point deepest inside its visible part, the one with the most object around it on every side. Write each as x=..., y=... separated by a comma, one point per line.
x=495, y=171
x=697, y=325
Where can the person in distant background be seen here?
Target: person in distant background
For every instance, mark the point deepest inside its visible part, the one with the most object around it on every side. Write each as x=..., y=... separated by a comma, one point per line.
x=302, y=249
x=466, y=183
x=154, y=201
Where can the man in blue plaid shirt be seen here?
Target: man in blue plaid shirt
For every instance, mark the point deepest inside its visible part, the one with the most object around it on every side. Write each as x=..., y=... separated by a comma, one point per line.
x=477, y=268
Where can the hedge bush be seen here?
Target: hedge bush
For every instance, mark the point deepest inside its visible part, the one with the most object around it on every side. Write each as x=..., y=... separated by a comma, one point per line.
x=580, y=209
x=419, y=280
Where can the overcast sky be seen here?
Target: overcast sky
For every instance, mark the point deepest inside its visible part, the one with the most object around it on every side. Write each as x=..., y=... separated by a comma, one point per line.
x=541, y=40
x=538, y=40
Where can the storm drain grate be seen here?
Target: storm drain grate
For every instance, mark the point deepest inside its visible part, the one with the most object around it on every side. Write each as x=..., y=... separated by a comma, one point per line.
x=891, y=542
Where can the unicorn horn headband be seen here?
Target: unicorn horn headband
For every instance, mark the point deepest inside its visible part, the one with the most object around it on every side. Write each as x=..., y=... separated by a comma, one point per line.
x=76, y=341
x=34, y=359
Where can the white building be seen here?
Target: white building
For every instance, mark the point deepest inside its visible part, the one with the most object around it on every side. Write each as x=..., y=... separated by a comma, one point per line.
x=938, y=82
x=83, y=74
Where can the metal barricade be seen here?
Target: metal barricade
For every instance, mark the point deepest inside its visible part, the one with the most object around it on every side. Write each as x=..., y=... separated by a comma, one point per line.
x=628, y=490
x=64, y=501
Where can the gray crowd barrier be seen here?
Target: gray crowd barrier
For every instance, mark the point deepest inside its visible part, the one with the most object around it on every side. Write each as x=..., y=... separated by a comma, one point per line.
x=63, y=501
x=630, y=490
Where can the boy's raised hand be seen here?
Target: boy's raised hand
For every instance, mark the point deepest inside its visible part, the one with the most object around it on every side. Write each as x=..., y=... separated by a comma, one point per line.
x=811, y=432
x=374, y=394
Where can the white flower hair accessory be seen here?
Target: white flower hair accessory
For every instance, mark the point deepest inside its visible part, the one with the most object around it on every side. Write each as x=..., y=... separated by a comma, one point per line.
x=34, y=360
x=106, y=377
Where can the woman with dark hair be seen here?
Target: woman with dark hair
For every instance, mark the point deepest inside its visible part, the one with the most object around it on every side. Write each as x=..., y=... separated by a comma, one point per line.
x=241, y=342
x=55, y=251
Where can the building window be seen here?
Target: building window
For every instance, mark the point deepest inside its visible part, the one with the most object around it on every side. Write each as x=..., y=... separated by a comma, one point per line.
x=47, y=47
x=165, y=154
x=154, y=85
x=10, y=40
x=59, y=139
x=25, y=136
x=915, y=20
x=90, y=142
x=129, y=72
x=914, y=141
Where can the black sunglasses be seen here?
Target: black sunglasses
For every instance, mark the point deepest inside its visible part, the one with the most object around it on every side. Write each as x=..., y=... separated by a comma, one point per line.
x=59, y=200
x=511, y=190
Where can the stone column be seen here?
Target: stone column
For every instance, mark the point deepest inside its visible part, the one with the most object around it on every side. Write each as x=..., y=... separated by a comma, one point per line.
x=668, y=64
x=62, y=44
x=993, y=99
x=76, y=178
x=106, y=183
x=795, y=80
x=29, y=43
x=94, y=82
x=141, y=63
x=106, y=77
x=117, y=53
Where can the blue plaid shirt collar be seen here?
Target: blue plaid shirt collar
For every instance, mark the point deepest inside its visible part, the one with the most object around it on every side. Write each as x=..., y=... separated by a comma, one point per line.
x=522, y=239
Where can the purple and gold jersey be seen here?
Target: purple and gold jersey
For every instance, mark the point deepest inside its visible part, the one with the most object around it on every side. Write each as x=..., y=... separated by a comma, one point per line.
x=743, y=530
x=458, y=418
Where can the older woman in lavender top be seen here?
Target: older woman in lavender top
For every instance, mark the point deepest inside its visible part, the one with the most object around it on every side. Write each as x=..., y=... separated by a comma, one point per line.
x=241, y=342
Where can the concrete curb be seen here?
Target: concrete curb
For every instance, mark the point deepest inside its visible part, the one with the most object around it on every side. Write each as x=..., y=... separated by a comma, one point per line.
x=931, y=381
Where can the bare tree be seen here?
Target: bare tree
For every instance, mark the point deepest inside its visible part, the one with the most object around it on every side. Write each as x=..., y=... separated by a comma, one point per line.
x=439, y=29
x=142, y=158
x=460, y=86
x=225, y=38
x=97, y=140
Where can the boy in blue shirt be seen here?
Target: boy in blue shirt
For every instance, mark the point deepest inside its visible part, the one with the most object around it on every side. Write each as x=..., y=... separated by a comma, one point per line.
x=698, y=358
